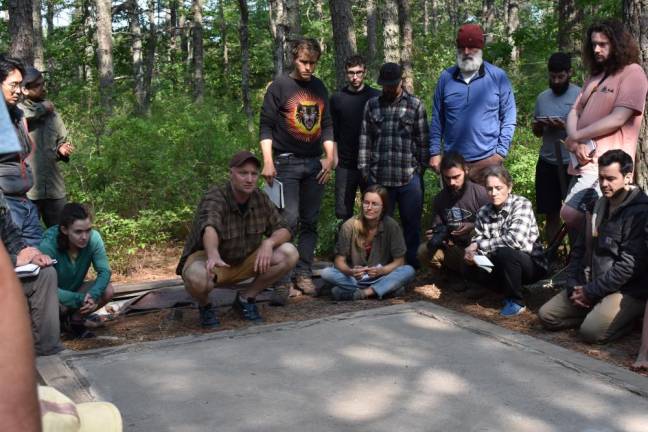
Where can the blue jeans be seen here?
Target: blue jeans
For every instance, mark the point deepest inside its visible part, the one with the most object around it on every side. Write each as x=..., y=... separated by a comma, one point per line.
x=410, y=207
x=303, y=199
x=24, y=214
x=389, y=283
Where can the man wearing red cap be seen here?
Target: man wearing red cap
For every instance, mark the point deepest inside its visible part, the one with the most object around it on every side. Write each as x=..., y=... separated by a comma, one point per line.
x=237, y=234
x=474, y=108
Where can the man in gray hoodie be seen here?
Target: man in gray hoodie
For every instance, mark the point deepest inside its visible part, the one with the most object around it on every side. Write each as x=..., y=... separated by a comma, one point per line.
x=607, y=283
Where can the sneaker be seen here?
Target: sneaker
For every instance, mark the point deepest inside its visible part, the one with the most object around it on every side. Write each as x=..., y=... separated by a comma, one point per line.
x=208, y=318
x=248, y=310
x=280, y=294
x=340, y=294
x=511, y=308
x=305, y=284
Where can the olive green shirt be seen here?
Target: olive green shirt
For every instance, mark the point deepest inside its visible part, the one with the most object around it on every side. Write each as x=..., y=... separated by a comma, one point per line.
x=387, y=245
x=48, y=133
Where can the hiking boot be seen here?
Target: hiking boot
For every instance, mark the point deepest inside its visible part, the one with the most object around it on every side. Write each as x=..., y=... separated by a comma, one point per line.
x=280, y=294
x=511, y=308
x=305, y=284
x=248, y=310
x=208, y=317
x=340, y=294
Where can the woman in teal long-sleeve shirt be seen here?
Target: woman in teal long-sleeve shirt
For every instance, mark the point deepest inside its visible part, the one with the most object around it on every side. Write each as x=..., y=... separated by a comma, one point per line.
x=75, y=246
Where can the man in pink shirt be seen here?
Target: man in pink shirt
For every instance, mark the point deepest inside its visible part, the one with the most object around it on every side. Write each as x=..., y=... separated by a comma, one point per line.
x=606, y=115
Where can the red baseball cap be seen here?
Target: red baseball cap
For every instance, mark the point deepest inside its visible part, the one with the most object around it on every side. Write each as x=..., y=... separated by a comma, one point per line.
x=470, y=36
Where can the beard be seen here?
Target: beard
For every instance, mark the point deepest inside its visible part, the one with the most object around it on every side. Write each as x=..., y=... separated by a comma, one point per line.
x=559, y=89
x=470, y=63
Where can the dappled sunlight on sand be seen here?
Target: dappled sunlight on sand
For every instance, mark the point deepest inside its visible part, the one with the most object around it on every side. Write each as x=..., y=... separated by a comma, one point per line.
x=366, y=400
x=373, y=355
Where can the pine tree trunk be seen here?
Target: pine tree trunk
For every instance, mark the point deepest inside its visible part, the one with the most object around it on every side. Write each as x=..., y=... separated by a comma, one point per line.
x=39, y=55
x=391, y=33
x=149, y=58
x=279, y=31
x=49, y=16
x=512, y=24
x=372, y=34
x=245, y=63
x=569, y=26
x=136, y=52
x=21, y=29
x=105, y=53
x=198, y=59
x=407, y=42
x=434, y=14
x=343, y=36
x=635, y=15
x=223, y=35
x=488, y=18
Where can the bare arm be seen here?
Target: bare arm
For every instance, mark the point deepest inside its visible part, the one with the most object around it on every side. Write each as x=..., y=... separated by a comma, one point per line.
x=328, y=163
x=608, y=124
x=210, y=244
x=269, y=171
x=19, y=410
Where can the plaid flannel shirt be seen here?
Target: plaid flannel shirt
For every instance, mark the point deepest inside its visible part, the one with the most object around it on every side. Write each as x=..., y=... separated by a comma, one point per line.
x=393, y=140
x=239, y=234
x=513, y=226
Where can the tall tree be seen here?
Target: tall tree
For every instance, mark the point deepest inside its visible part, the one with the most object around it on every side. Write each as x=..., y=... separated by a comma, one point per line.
x=391, y=32
x=245, y=63
x=372, y=33
x=21, y=29
x=343, y=36
x=488, y=17
x=426, y=17
x=407, y=42
x=39, y=55
x=198, y=53
x=285, y=24
x=149, y=57
x=635, y=15
x=223, y=36
x=135, y=29
x=569, y=20
x=49, y=16
x=512, y=24
x=105, y=53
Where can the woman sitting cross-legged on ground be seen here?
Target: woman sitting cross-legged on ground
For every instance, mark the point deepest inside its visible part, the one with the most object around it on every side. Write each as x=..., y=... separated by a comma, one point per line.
x=370, y=252
x=75, y=245
x=507, y=233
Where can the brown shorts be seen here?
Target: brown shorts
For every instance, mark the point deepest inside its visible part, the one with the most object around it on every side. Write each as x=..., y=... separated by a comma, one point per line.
x=224, y=275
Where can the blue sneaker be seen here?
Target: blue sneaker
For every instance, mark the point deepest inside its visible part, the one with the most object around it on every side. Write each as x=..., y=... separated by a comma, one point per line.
x=511, y=308
x=208, y=318
x=248, y=310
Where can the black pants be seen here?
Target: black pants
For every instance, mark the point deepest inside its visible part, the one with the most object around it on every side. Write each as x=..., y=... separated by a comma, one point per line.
x=347, y=182
x=511, y=269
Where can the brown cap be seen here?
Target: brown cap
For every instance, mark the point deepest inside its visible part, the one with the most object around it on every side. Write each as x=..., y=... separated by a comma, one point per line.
x=241, y=157
x=470, y=36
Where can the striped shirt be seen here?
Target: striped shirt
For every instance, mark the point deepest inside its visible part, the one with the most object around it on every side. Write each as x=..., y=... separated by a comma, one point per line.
x=393, y=140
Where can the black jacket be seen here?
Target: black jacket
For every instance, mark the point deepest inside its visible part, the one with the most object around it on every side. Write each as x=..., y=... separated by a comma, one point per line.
x=9, y=233
x=619, y=259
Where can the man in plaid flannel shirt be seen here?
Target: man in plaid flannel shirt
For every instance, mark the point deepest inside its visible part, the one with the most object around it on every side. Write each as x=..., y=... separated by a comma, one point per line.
x=393, y=151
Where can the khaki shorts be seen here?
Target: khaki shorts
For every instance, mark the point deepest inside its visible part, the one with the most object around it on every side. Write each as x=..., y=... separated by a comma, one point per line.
x=224, y=275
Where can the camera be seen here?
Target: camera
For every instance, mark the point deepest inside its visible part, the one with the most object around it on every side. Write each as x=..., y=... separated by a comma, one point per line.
x=440, y=234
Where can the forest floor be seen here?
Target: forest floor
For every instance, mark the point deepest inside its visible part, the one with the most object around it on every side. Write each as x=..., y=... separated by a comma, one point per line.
x=183, y=321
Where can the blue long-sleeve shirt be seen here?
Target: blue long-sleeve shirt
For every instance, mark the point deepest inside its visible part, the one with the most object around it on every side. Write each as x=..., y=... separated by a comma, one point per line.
x=475, y=120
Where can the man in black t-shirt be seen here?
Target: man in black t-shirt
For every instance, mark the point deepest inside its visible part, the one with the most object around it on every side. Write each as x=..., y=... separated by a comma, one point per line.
x=455, y=209
x=295, y=125
x=347, y=107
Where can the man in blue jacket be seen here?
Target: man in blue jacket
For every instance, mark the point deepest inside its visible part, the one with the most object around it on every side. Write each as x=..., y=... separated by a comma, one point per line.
x=474, y=108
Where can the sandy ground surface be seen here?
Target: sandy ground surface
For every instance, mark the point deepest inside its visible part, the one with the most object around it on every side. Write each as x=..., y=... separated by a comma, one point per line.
x=184, y=321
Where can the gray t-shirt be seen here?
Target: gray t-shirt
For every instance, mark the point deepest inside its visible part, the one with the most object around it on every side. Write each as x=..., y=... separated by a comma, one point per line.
x=550, y=105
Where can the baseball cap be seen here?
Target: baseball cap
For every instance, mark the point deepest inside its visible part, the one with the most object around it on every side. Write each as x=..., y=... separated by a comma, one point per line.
x=390, y=74
x=241, y=157
x=31, y=75
x=60, y=414
x=470, y=36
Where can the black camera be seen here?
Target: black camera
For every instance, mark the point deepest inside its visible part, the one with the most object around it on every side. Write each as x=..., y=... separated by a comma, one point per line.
x=440, y=233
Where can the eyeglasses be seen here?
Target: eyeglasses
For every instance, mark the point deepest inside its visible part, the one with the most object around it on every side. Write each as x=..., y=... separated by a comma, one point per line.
x=370, y=205
x=355, y=73
x=12, y=87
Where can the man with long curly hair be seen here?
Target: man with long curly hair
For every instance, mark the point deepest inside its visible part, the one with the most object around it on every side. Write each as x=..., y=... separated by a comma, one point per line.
x=606, y=114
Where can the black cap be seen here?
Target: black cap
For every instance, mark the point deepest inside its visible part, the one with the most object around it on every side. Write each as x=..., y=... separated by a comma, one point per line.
x=31, y=75
x=390, y=74
x=243, y=156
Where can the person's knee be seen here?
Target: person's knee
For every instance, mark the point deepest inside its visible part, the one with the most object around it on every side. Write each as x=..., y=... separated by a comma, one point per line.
x=196, y=279
x=329, y=274
x=572, y=217
x=547, y=318
x=287, y=255
x=108, y=293
x=423, y=255
x=408, y=272
x=594, y=331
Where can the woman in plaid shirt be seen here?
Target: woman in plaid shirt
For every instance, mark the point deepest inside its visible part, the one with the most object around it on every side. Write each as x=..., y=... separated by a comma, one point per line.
x=507, y=233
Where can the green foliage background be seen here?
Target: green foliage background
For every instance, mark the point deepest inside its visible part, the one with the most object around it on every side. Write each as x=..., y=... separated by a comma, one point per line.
x=144, y=176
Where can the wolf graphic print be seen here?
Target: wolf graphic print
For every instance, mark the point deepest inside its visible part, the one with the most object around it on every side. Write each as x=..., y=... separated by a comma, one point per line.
x=304, y=116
